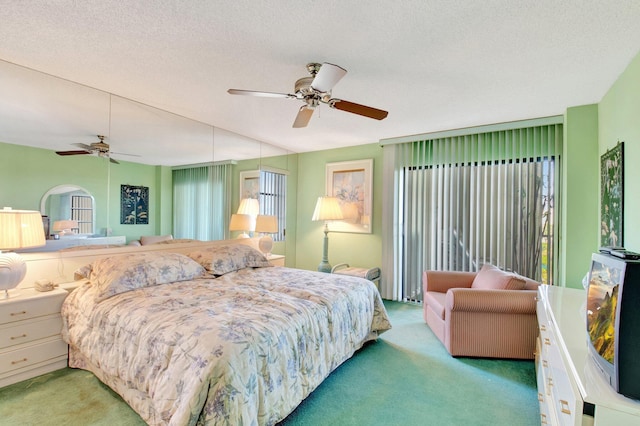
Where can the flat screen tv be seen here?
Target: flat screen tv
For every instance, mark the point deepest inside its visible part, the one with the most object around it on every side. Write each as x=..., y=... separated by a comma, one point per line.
x=613, y=321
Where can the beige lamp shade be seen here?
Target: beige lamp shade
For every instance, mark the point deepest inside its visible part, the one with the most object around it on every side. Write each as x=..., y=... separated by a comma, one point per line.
x=65, y=227
x=249, y=206
x=18, y=229
x=266, y=224
x=240, y=222
x=327, y=208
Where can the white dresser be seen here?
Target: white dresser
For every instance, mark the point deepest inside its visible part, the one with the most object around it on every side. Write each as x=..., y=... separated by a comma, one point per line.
x=571, y=390
x=30, y=340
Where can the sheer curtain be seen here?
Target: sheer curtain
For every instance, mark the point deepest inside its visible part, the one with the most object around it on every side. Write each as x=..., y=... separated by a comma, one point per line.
x=202, y=202
x=459, y=201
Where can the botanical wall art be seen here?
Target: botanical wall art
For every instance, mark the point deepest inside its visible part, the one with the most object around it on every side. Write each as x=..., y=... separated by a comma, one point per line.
x=611, y=196
x=134, y=205
x=351, y=182
x=250, y=184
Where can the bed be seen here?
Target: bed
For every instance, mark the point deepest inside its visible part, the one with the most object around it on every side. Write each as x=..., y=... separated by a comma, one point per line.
x=215, y=336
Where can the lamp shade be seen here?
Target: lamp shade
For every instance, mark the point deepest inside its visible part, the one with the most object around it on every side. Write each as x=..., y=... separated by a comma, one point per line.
x=240, y=222
x=20, y=229
x=327, y=208
x=249, y=206
x=266, y=224
x=64, y=226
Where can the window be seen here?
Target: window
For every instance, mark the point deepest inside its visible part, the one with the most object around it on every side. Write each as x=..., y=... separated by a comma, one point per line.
x=273, y=199
x=467, y=200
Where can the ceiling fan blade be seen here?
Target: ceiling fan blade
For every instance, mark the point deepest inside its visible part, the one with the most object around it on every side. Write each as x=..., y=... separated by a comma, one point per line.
x=328, y=76
x=261, y=94
x=303, y=117
x=72, y=152
x=84, y=146
x=354, y=108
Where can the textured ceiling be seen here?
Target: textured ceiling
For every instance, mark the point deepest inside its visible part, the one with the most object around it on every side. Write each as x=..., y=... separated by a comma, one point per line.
x=433, y=64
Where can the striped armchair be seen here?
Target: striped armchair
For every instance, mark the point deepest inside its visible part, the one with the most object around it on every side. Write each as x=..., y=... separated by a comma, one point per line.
x=488, y=314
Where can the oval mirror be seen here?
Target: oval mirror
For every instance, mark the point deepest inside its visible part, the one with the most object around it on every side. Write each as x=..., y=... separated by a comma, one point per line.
x=64, y=202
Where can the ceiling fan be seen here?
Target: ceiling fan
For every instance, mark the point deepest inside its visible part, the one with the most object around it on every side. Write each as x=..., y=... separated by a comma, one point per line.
x=100, y=148
x=315, y=90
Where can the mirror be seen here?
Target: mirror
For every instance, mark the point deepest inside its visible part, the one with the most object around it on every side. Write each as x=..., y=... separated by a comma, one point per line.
x=65, y=202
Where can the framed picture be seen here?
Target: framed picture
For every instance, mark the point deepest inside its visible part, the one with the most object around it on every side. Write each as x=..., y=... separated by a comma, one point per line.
x=351, y=182
x=612, y=196
x=250, y=184
x=134, y=205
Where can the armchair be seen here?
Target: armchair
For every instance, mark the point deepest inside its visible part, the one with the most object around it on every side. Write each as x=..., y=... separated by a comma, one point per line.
x=489, y=314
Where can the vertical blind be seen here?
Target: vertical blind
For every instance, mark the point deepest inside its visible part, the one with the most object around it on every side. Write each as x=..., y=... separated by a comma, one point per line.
x=273, y=199
x=462, y=201
x=201, y=202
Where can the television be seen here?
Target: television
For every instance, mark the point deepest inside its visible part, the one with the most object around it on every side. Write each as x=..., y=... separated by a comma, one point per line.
x=613, y=321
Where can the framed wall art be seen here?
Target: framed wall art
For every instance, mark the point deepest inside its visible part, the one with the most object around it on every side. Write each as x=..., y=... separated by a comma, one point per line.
x=351, y=182
x=612, y=196
x=250, y=184
x=134, y=205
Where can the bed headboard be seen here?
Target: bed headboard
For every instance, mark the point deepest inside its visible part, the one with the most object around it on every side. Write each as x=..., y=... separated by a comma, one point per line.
x=58, y=267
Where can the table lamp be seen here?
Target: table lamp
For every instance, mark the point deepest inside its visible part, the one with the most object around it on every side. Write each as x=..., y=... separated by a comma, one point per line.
x=266, y=225
x=240, y=222
x=65, y=227
x=327, y=208
x=18, y=229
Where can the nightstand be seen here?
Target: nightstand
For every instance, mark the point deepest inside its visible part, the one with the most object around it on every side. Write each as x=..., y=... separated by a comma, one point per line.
x=30, y=340
x=276, y=259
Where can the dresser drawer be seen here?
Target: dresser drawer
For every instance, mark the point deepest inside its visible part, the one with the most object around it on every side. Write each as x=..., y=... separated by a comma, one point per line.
x=31, y=304
x=27, y=331
x=33, y=354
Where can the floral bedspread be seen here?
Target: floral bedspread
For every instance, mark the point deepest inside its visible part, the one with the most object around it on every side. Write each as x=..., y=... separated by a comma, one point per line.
x=241, y=349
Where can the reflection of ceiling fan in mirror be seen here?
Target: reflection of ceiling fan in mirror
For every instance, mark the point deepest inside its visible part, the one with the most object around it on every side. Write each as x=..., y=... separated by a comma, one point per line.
x=315, y=90
x=101, y=149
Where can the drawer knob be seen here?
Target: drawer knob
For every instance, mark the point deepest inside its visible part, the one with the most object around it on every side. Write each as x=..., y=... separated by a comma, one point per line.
x=564, y=406
x=14, y=314
x=543, y=327
x=22, y=336
x=543, y=419
x=545, y=363
x=540, y=397
x=547, y=341
x=18, y=361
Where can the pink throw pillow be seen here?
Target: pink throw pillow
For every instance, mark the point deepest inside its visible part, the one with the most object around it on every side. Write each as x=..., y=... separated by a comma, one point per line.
x=492, y=278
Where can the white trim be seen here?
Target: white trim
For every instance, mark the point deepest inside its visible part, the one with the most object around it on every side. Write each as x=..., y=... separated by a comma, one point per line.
x=511, y=125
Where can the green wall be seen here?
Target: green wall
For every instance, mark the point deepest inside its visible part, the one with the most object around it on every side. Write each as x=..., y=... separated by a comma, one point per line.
x=580, y=180
x=355, y=249
x=27, y=173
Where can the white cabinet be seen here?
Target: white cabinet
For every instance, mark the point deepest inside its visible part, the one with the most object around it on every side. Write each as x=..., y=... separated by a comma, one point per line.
x=570, y=389
x=30, y=341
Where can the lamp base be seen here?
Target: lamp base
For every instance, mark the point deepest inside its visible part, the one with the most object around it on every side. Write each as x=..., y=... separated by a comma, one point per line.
x=12, y=271
x=265, y=244
x=324, y=267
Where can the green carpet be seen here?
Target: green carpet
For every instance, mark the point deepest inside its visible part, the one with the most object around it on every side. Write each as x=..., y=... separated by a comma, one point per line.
x=405, y=378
